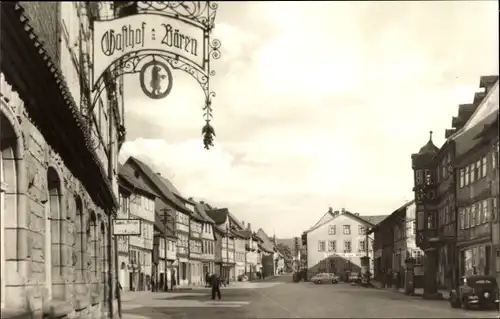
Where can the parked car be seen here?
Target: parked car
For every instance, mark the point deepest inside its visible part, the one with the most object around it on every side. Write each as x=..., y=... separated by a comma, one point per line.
x=322, y=278
x=475, y=291
x=354, y=277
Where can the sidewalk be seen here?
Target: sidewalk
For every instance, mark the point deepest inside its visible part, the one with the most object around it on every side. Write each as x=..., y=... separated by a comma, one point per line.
x=418, y=291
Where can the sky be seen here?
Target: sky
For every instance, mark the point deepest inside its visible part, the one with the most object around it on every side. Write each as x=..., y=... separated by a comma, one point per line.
x=319, y=104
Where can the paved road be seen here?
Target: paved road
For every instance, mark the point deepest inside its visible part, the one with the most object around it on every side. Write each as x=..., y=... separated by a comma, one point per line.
x=280, y=298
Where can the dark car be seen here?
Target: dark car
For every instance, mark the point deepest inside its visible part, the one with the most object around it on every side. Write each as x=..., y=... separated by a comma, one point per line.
x=475, y=291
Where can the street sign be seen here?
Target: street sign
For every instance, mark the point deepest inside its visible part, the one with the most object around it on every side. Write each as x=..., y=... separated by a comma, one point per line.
x=127, y=227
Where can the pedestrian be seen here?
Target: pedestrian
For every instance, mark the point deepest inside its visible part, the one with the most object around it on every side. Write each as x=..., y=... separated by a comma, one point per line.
x=153, y=285
x=216, y=283
x=207, y=279
x=173, y=283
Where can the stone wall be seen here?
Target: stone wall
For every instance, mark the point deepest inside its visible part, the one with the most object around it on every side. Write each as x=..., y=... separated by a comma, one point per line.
x=53, y=230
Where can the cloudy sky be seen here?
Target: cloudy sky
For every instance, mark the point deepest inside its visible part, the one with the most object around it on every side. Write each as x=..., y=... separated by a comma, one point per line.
x=318, y=104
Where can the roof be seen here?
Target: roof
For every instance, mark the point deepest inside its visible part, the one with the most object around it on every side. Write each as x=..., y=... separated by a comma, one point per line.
x=267, y=244
x=219, y=216
x=387, y=217
x=200, y=208
x=485, y=114
x=371, y=220
x=244, y=233
x=158, y=182
x=169, y=185
x=236, y=221
x=127, y=174
x=429, y=148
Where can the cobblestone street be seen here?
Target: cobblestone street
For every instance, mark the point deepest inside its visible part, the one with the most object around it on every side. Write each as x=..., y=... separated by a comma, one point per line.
x=280, y=298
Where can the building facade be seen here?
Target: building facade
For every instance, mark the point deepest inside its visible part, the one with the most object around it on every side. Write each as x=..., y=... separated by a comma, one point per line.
x=394, y=243
x=454, y=194
x=208, y=240
x=141, y=205
x=477, y=187
x=123, y=241
x=58, y=185
x=337, y=243
x=224, y=245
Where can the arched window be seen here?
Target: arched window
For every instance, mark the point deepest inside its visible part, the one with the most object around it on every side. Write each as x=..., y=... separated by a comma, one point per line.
x=102, y=257
x=10, y=147
x=52, y=222
x=93, y=246
x=79, y=237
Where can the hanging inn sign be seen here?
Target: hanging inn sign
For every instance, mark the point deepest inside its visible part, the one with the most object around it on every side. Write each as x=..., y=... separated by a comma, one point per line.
x=152, y=38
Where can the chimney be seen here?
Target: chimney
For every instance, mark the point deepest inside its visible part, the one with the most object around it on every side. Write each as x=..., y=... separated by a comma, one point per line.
x=335, y=213
x=343, y=210
x=248, y=226
x=330, y=210
x=243, y=223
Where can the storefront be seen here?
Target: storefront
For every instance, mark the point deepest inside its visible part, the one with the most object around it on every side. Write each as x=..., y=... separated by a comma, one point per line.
x=476, y=260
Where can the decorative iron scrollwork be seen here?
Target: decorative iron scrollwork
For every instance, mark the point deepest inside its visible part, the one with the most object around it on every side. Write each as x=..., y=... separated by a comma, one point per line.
x=201, y=12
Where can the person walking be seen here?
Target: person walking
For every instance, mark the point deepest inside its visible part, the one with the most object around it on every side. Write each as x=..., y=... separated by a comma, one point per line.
x=207, y=279
x=216, y=282
x=173, y=283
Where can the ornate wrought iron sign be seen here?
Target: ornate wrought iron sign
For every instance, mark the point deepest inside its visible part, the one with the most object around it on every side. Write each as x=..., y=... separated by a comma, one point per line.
x=154, y=38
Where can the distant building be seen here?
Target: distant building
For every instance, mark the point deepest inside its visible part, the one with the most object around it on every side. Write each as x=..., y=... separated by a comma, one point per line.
x=394, y=242
x=141, y=205
x=337, y=242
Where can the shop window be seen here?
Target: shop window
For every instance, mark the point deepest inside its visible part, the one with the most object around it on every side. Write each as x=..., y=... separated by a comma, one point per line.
x=484, y=169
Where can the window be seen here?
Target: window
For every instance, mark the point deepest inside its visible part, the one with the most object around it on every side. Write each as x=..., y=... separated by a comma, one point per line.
x=485, y=166
x=467, y=176
x=332, y=230
x=494, y=162
x=418, y=177
x=321, y=245
x=361, y=229
x=486, y=215
x=474, y=173
x=428, y=177
x=414, y=227
x=347, y=229
x=462, y=178
x=361, y=246
x=461, y=213
x=431, y=220
x=494, y=209
x=473, y=215
x=467, y=217
x=347, y=246
x=417, y=254
x=332, y=245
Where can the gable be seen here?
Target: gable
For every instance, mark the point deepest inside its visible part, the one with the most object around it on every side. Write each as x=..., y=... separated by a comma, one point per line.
x=155, y=182
x=326, y=217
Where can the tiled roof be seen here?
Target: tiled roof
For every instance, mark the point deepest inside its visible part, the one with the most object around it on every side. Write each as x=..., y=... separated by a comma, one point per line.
x=236, y=221
x=267, y=244
x=127, y=174
x=219, y=216
x=201, y=210
x=245, y=233
x=374, y=219
x=170, y=186
x=485, y=114
x=158, y=182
